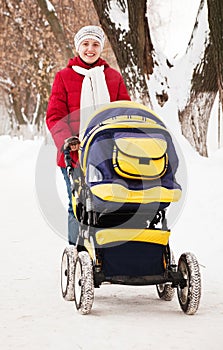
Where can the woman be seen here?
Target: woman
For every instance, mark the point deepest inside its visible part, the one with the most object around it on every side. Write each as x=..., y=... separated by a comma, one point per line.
x=86, y=83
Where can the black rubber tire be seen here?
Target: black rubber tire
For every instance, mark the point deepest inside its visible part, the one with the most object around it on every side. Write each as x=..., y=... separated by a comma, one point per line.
x=190, y=294
x=166, y=291
x=83, y=283
x=67, y=272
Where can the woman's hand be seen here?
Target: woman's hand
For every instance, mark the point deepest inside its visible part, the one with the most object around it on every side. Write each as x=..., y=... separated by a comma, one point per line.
x=72, y=143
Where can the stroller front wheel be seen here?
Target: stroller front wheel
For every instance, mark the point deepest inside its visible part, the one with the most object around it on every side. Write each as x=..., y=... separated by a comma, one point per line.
x=83, y=283
x=67, y=272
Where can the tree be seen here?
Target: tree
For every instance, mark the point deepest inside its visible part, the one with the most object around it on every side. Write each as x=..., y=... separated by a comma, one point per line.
x=25, y=66
x=50, y=14
x=206, y=78
x=126, y=26
x=140, y=63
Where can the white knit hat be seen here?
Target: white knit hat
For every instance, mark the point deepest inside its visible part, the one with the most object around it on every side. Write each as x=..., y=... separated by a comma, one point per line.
x=89, y=32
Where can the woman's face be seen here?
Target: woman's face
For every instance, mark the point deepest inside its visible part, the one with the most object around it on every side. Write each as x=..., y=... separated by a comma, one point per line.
x=89, y=50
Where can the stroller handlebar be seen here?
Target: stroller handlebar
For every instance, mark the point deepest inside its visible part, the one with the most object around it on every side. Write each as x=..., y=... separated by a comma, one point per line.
x=68, y=161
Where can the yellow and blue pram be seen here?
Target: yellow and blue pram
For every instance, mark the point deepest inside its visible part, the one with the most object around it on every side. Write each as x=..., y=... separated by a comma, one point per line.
x=128, y=164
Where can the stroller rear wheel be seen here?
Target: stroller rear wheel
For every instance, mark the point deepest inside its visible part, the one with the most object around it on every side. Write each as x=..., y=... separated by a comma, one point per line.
x=67, y=272
x=83, y=283
x=189, y=292
x=166, y=291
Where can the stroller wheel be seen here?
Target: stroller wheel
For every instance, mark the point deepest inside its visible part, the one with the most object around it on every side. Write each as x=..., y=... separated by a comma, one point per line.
x=67, y=272
x=83, y=283
x=165, y=291
x=189, y=292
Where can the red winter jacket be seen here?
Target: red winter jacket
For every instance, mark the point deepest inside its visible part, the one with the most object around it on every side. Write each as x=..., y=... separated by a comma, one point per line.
x=63, y=117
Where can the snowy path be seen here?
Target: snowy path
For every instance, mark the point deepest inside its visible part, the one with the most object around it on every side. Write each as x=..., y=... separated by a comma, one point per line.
x=33, y=313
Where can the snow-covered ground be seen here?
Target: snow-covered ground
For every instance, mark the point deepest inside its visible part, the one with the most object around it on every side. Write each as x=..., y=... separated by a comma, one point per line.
x=33, y=313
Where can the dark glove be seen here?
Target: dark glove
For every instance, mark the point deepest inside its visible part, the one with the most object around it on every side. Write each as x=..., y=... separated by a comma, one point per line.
x=73, y=140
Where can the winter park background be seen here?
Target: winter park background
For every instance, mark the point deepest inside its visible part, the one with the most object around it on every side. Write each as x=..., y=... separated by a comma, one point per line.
x=33, y=314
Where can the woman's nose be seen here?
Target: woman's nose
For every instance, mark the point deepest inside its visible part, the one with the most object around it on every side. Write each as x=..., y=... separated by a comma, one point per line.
x=90, y=48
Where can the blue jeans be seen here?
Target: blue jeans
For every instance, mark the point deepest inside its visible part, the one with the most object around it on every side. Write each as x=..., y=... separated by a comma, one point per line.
x=73, y=225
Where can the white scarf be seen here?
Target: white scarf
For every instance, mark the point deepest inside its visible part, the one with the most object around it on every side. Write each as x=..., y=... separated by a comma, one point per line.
x=94, y=93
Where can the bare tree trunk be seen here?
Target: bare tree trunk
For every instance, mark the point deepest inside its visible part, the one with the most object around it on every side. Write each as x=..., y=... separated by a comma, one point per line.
x=132, y=45
x=17, y=107
x=195, y=116
x=194, y=120
x=215, y=18
x=57, y=29
x=206, y=81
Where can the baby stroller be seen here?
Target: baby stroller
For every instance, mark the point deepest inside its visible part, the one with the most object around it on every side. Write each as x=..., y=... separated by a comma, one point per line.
x=128, y=164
